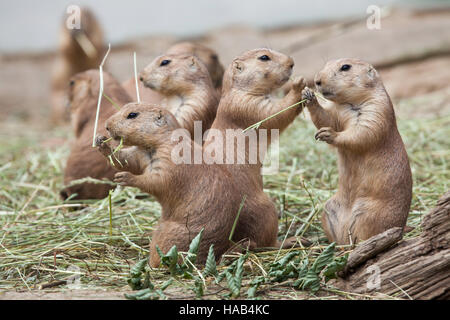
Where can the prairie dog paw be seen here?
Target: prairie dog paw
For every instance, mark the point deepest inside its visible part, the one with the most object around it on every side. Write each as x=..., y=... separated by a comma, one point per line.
x=298, y=84
x=124, y=178
x=326, y=134
x=99, y=139
x=102, y=146
x=309, y=95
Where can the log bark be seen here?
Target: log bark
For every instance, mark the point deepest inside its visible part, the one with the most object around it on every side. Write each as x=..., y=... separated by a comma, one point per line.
x=417, y=268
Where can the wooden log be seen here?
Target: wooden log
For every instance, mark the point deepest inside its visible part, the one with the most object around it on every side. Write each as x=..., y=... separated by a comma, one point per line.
x=417, y=268
x=371, y=248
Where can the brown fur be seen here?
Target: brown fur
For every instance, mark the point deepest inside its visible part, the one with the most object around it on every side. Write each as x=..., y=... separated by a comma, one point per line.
x=186, y=87
x=208, y=56
x=84, y=160
x=73, y=59
x=146, y=95
x=375, y=184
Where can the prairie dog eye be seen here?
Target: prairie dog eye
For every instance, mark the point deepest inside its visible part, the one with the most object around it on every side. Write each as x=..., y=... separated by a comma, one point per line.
x=264, y=58
x=71, y=83
x=132, y=115
x=164, y=63
x=345, y=67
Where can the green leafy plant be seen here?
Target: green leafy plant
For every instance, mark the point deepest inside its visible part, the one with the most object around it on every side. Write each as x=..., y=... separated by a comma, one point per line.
x=234, y=275
x=254, y=285
x=170, y=261
x=192, y=252
x=310, y=278
x=135, y=280
x=210, y=265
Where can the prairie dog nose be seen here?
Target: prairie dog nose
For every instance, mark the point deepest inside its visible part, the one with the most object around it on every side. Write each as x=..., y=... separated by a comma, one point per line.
x=141, y=76
x=318, y=79
x=290, y=62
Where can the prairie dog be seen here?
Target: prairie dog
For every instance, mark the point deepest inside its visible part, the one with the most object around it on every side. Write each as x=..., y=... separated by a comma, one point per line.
x=207, y=55
x=192, y=196
x=375, y=183
x=186, y=86
x=79, y=50
x=246, y=99
x=84, y=160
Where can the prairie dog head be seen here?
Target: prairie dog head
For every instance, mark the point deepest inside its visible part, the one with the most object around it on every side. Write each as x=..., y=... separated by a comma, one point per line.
x=175, y=74
x=85, y=86
x=208, y=56
x=143, y=125
x=83, y=89
x=347, y=81
x=258, y=71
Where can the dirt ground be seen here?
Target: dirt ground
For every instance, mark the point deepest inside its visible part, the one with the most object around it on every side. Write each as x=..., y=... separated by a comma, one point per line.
x=411, y=51
x=63, y=295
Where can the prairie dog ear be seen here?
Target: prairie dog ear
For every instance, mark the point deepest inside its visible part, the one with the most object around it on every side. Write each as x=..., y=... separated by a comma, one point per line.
x=372, y=73
x=238, y=65
x=193, y=63
x=160, y=120
x=79, y=89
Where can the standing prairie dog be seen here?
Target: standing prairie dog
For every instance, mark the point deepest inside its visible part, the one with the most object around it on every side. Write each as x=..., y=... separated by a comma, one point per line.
x=192, y=196
x=208, y=56
x=246, y=99
x=186, y=86
x=84, y=160
x=79, y=50
x=375, y=183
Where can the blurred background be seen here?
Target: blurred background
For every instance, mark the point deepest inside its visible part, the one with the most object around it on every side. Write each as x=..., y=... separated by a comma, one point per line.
x=411, y=49
x=35, y=26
